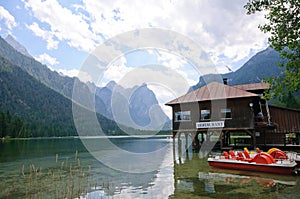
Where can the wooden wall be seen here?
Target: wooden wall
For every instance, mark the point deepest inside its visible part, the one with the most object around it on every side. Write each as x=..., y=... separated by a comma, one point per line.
x=242, y=115
x=288, y=120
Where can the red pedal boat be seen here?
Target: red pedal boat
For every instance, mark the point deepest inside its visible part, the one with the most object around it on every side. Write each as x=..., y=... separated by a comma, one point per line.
x=279, y=154
x=262, y=162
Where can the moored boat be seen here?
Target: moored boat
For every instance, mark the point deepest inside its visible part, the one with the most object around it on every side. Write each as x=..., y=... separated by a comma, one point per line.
x=262, y=162
x=281, y=155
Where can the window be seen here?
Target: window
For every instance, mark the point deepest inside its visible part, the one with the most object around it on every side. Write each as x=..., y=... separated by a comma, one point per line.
x=182, y=116
x=226, y=112
x=205, y=114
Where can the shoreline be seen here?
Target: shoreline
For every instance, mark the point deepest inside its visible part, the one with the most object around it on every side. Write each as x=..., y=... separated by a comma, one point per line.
x=3, y=139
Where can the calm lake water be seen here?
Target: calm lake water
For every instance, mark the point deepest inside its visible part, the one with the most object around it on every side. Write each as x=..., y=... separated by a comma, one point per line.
x=81, y=168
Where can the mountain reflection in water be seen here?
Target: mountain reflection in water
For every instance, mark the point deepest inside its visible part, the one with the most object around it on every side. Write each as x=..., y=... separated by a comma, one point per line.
x=180, y=173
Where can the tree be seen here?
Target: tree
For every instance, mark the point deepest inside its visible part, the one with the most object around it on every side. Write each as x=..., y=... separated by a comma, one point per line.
x=17, y=127
x=283, y=17
x=2, y=125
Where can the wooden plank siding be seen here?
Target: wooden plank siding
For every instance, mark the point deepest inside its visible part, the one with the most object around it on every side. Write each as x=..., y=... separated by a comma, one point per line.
x=288, y=120
x=242, y=117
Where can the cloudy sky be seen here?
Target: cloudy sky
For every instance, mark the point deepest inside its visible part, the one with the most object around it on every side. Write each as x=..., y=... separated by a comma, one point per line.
x=62, y=33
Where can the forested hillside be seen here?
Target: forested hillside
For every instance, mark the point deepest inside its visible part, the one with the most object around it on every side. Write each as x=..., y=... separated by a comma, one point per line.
x=64, y=85
x=39, y=110
x=44, y=111
x=262, y=65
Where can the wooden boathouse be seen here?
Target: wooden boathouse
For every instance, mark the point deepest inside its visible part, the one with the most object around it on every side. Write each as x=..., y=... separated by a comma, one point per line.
x=231, y=111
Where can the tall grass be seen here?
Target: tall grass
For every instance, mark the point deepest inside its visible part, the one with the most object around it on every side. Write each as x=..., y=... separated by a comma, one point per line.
x=67, y=179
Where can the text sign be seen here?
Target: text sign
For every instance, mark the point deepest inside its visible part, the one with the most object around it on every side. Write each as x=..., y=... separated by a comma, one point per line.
x=205, y=125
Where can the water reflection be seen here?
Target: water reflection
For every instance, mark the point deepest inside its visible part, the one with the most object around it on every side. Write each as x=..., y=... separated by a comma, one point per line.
x=193, y=178
x=211, y=178
x=155, y=184
x=180, y=174
x=60, y=160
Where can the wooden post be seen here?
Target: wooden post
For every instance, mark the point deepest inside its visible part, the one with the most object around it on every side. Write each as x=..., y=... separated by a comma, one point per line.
x=186, y=141
x=221, y=139
x=195, y=141
x=174, y=155
x=268, y=113
x=254, y=139
x=179, y=147
x=252, y=133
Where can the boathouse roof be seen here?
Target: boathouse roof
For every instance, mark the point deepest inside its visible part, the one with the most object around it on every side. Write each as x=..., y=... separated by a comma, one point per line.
x=257, y=88
x=218, y=91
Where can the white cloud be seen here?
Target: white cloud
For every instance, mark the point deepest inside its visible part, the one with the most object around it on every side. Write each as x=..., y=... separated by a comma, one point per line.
x=221, y=28
x=62, y=25
x=46, y=35
x=116, y=71
x=8, y=19
x=69, y=73
x=170, y=60
x=180, y=65
x=83, y=76
x=47, y=59
x=51, y=61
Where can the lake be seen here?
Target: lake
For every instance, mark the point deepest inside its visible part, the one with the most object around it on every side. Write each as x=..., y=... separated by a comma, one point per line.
x=125, y=167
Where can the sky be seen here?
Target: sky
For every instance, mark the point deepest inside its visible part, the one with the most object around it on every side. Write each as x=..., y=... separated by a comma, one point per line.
x=63, y=33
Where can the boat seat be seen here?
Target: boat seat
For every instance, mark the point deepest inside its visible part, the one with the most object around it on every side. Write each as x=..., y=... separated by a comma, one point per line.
x=247, y=156
x=244, y=156
x=241, y=156
x=225, y=154
x=232, y=154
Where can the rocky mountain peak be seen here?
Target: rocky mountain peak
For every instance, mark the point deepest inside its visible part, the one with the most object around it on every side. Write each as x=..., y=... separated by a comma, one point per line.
x=17, y=46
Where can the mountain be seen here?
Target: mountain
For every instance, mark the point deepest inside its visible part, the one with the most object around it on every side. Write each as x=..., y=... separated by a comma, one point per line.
x=42, y=73
x=136, y=107
x=103, y=105
x=64, y=85
x=17, y=46
x=43, y=111
x=262, y=65
x=140, y=103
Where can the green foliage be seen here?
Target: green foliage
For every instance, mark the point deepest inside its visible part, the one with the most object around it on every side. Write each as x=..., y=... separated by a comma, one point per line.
x=284, y=28
x=290, y=101
x=44, y=111
x=41, y=72
x=10, y=126
x=37, y=110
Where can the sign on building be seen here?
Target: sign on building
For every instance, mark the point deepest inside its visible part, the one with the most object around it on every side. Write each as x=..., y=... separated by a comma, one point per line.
x=205, y=125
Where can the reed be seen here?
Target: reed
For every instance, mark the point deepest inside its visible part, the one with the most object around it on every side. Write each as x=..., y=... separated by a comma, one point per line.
x=67, y=179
